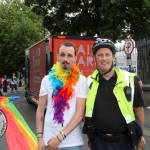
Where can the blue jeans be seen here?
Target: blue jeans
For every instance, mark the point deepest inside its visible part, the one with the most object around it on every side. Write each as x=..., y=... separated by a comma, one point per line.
x=70, y=148
x=13, y=86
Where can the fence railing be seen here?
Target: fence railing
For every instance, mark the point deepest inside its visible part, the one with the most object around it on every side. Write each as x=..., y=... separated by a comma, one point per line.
x=143, y=49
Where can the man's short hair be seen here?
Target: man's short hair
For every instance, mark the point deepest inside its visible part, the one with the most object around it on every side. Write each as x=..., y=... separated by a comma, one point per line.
x=68, y=44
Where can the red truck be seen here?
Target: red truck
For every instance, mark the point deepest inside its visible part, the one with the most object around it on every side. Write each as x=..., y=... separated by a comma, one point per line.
x=40, y=57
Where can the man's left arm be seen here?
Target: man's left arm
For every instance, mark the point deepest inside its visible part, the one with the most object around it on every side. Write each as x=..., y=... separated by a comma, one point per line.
x=139, y=112
x=138, y=108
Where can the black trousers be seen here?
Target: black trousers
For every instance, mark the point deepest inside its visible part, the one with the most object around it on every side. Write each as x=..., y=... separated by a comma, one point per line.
x=100, y=144
x=1, y=93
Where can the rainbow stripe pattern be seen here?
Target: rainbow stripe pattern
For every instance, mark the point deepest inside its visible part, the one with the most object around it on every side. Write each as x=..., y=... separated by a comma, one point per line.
x=18, y=134
x=62, y=84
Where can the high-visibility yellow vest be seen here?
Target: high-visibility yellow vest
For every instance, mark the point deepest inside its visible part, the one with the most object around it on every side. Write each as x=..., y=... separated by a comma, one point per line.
x=123, y=80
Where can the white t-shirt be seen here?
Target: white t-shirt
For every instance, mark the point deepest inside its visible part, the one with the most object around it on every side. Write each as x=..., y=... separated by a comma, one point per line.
x=14, y=80
x=52, y=129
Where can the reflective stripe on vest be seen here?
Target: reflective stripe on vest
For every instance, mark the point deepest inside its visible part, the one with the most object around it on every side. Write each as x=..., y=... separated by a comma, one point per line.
x=125, y=106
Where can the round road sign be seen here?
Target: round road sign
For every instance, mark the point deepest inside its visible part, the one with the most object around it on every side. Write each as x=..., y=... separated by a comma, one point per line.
x=128, y=46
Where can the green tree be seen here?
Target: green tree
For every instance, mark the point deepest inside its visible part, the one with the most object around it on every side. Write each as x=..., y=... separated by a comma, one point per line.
x=19, y=29
x=114, y=19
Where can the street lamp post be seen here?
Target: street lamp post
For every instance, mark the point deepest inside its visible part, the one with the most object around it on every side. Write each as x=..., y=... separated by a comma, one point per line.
x=43, y=13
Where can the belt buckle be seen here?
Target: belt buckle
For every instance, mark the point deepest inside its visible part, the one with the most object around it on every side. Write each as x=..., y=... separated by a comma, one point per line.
x=111, y=138
x=109, y=134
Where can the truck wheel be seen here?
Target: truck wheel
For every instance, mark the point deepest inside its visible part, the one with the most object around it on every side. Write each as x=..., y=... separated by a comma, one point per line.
x=29, y=102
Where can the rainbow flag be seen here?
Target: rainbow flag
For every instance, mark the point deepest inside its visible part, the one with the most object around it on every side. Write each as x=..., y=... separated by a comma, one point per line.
x=18, y=134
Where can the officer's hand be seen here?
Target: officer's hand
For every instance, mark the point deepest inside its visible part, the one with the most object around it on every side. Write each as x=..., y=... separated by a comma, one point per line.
x=142, y=143
x=89, y=143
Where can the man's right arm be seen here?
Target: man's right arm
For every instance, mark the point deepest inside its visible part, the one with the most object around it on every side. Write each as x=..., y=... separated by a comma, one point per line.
x=39, y=121
x=40, y=113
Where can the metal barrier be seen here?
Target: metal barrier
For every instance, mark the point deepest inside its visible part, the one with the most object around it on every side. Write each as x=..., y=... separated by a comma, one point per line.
x=143, y=49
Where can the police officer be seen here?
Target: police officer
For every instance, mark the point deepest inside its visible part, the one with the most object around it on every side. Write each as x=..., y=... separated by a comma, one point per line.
x=114, y=115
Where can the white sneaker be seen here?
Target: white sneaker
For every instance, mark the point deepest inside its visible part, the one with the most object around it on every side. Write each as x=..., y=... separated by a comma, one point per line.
x=148, y=107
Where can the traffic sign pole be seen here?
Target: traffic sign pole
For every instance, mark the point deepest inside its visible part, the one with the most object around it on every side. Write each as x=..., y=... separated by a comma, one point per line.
x=128, y=49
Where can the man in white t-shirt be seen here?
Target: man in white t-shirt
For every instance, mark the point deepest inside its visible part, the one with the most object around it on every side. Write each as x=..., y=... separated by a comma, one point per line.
x=63, y=90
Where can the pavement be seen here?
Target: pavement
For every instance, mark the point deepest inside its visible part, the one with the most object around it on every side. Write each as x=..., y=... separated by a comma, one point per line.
x=146, y=97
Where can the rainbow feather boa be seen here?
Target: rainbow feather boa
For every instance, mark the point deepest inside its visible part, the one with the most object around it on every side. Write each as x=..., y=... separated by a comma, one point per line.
x=62, y=84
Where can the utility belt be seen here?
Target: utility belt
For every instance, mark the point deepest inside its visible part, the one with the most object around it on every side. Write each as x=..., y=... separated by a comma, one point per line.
x=92, y=132
x=135, y=133
x=113, y=137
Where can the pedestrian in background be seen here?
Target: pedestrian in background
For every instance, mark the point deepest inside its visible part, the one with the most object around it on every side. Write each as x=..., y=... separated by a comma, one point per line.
x=139, y=80
x=114, y=116
x=22, y=81
x=140, y=83
x=1, y=87
x=63, y=90
x=14, y=83
x=4, y=84
x=8, y=83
